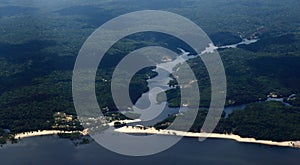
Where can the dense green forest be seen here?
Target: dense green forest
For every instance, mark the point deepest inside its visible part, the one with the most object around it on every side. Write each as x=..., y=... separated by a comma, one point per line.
x=264, y=121
x=39, y=43
x=253, y=71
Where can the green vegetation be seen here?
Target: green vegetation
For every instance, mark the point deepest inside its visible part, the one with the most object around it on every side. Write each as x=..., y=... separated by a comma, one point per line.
x=72, y=136
x=251, y=76
x=76, y=138
x=271, y=120
x=6, y=136
x=65, y=122
x=264, y=121
x=39, y=44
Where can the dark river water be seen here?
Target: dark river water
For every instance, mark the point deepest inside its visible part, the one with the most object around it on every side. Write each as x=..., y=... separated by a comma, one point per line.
x=52, y=150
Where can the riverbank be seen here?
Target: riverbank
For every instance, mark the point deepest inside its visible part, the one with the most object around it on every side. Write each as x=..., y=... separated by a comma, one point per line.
x=45, y=133
x=55, y=132
x=153, y=131
x=139, y=130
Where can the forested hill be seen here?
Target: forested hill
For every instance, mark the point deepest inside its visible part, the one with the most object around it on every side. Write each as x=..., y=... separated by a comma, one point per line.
x=39, y=42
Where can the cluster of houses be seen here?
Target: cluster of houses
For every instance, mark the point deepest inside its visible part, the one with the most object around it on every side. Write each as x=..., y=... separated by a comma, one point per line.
x=64, y=121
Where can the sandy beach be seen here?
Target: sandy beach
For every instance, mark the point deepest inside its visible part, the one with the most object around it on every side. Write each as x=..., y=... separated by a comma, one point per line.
x=124, y=122
x=138, y=130
x=45, y=132
x=55, y=132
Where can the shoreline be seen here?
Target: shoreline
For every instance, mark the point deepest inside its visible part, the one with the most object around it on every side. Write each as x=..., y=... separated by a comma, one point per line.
x=55, y=132
x=153, y=131
x=45, y=133
x=237, y=138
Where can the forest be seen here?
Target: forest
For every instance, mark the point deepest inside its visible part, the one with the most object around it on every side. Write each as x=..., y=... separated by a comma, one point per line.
x=39, y=45
x=264, y=121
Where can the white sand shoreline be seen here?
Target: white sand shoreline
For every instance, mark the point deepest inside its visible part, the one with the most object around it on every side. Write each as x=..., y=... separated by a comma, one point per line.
x=138, y=130
x=55, y=132
x=44, y=133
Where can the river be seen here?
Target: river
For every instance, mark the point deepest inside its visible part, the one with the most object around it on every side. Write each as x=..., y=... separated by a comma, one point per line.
x=161, y=80
x=53, y=150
